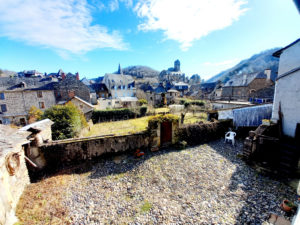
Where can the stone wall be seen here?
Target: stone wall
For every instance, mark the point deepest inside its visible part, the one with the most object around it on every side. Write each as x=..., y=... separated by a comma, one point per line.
x=13, y=172
x=69, y=151
x=18, y=103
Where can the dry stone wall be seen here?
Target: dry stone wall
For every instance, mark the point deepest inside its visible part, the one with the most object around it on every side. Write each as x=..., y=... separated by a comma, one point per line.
x=70, y=151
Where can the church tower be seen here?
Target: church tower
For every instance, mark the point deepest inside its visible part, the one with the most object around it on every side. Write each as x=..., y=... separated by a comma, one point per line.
x=177, y=65
x=120, y=69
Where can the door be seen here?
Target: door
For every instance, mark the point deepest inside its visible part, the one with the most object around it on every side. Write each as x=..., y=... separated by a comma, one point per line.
x=166, y=132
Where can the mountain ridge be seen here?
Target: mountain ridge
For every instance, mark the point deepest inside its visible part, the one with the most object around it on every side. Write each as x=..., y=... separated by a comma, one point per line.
x=257, y=62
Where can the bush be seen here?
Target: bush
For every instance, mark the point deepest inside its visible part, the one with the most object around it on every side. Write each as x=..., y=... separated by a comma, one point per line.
x=143, y=111
x=68, y=121
x=143, y=101
x=117, y=114
x=112, y=114
x=34, y=114
x=199, y=133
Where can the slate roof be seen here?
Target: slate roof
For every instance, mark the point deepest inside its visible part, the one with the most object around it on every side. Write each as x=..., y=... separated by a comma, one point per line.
x=98, y=87
x=160, y=89
x=146, y=87
x=112, y=80
x=239, y=80
x=24, y=83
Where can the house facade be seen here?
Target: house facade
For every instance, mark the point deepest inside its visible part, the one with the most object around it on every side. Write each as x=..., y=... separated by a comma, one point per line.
x=243, y=86
x=287, y=89
x=18, y=95
x=119, y=85
x=69, y=87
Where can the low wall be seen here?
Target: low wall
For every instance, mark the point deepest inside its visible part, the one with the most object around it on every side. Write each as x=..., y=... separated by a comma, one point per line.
x=69, y=151
x=199, y=133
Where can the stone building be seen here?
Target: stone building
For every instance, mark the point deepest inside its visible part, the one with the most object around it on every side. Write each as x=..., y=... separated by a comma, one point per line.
x=18, y=95
x=243, y=86
x=173, y=74
x=287, y=89
x=71, y=86
x=119, y=85
x=85, y=107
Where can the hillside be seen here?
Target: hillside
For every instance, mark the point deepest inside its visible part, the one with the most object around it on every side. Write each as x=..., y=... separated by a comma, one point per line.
x=141, y=71
x=256, y=63
x=6, y=73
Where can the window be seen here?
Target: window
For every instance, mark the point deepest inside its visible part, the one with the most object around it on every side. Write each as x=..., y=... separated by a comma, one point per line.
x=81, y=106
x=23, y=121
x=39, y=94
x=3, y=108
x=2, y=97
x=41, y=105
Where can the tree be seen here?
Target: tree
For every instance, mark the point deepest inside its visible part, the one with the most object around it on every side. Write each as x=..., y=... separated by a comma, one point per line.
x=68, y=121
x=34, y=114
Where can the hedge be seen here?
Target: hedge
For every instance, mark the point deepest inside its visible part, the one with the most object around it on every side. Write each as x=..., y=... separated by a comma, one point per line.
x=117, y=114
x=195, y=134
x=187, y=102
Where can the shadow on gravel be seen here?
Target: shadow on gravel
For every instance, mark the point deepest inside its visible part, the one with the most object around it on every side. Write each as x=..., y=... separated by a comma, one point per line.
x=263, y=192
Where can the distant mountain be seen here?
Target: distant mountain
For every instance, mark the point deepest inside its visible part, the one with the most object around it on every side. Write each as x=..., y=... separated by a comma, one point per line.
x=256, y=63
x=7, y=73
x=141, y=71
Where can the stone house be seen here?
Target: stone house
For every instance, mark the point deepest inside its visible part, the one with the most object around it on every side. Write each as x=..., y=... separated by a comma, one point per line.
x=207, y=89
x=181, y=87
x=287, y=89
x=160, y=95
x=243, y=86
x=71, y=86
x=85, y=107
x=18, y=95
x=119, y=85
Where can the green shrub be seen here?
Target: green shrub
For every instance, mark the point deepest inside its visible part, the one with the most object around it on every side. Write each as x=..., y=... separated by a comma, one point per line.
x=68, y=121
x=112, y=114
x=143, y=101
x=143, y=110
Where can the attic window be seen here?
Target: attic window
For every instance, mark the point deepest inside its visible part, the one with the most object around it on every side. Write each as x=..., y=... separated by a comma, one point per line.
x=22, y=85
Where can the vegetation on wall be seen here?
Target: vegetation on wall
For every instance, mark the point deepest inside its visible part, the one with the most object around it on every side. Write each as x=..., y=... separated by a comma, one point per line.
x=143, y=101
x=68, y=120
x=201, y=132
x=188, y=102
x=154, y=120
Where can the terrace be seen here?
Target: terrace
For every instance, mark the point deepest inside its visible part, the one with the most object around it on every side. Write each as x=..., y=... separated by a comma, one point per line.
x=205, y=184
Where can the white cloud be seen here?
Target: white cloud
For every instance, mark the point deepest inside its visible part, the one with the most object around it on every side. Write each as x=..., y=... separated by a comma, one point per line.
x=188, y=20
x=114, y=4
x=64, y=26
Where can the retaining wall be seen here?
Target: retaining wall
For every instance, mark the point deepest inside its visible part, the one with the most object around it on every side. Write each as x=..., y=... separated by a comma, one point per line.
x=69, y=151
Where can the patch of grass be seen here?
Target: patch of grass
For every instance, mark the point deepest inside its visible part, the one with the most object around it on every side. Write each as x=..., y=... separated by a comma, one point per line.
x=42, y=202
x=194, y=118
x=118, y=127
x=146, y=207
x=162, y=110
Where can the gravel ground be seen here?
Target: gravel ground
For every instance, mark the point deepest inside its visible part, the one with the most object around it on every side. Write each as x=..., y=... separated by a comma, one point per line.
x=206, y=184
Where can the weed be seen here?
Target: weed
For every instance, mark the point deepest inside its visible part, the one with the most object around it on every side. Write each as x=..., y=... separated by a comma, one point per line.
x=146, y=207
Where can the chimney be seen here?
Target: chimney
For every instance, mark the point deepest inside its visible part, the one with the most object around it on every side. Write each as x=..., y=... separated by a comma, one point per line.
x=244, y=78
x=63, y=76
x=77, y=76
x=268, y=73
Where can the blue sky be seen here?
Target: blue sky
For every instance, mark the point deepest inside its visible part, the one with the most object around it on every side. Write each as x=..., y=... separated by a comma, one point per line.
x=93, y=37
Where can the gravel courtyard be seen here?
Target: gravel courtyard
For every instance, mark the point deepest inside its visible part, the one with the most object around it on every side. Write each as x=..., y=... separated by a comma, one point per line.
x=206, y=184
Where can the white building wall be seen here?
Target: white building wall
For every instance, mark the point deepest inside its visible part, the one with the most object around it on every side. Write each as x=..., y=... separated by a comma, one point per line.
x=287, y=90
x=289, y=59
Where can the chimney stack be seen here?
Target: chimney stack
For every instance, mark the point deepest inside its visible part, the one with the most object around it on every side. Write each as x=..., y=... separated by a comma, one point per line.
x=77, y=76
x=268, y=73
x=63, y=76
x=244, y=78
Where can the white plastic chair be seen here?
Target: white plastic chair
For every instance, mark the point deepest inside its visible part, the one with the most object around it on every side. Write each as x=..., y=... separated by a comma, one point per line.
x=230, y=136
